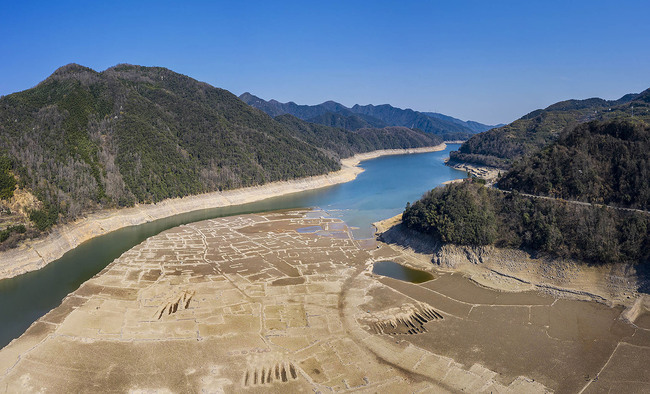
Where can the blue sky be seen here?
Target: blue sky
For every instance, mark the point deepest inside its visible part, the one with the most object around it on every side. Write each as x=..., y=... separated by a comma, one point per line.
x=489, y=61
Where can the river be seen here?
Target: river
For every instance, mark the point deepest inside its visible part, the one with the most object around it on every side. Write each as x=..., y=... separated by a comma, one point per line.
x=381, y=191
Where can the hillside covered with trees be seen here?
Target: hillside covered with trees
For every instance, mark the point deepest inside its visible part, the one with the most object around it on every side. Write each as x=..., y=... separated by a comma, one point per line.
x=601, y=162
x=598, y=162
x=344, y=143
x=348, y=122
x=499, y=147
x=469, y=213
x=83, y=140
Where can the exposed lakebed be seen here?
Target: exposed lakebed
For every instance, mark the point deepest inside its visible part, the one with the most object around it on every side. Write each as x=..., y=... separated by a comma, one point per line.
x=254, y=301
x=379, y=192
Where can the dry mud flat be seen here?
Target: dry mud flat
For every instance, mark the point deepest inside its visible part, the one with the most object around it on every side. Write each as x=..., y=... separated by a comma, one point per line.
x=35, y=254
x=287, y=302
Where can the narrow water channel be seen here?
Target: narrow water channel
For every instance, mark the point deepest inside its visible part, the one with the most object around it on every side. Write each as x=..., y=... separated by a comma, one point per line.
x=381, y=191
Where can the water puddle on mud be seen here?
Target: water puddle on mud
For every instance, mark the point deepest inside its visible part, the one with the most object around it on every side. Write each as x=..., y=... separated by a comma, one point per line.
x=397, y=271
x=309, y=229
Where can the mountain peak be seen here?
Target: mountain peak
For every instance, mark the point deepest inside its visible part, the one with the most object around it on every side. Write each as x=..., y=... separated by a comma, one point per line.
x=248, y=96
x=72, y=68
x=73, y=71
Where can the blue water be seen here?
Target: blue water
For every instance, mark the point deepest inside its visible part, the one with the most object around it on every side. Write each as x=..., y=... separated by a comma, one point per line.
x=384, y=188
x=381, y=191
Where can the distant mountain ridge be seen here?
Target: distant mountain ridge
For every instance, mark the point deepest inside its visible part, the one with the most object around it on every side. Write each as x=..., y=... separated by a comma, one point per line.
x=499, y=147
x=474, y=126
x=331, y=113
x=346, y=143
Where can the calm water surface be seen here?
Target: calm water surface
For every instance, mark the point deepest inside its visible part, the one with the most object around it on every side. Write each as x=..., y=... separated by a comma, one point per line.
x=397, y=271
x=381, y=191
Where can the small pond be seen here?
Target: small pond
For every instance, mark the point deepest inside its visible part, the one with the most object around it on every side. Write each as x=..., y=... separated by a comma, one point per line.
x=397, y=271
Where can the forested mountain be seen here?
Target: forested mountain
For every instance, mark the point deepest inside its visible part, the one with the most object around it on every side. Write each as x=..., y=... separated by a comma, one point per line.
x=601, y=162
x=414, y=120
x=471, y=214
x=476, y=127
x=83, y=140
x=500, y=146
x=373, y=116
x=304, y=112
x=345, y=143
x=598, y=162
x=348, y=122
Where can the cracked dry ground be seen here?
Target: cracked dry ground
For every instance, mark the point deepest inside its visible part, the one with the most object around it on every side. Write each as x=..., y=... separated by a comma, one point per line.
x=286, y=302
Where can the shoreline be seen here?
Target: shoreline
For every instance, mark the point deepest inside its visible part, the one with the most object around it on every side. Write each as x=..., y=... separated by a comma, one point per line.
x=512, y=270
x=35, y=254
x=455, y=142
x=479, y=171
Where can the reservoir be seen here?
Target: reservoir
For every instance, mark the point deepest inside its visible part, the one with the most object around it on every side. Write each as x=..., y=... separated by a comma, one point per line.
x=380, y=192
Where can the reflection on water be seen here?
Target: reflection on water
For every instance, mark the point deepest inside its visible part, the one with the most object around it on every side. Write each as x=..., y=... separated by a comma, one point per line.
x=309, y=229
x=398, y=271
x=381, y=191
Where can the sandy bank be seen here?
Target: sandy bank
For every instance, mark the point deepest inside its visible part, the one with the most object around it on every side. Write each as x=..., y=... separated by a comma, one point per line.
x=35, y=254
x=485, y=172
x=455, y=142
x=515, y=270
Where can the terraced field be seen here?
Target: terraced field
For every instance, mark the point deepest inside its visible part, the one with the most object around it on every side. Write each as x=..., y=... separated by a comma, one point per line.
x=286, y=301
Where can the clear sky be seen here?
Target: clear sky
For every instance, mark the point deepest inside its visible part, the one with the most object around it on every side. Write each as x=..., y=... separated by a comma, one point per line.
x=489, y=61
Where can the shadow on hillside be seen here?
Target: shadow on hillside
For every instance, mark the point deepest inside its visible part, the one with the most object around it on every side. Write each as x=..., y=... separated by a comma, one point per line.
x=402, y=236
x=643, y=275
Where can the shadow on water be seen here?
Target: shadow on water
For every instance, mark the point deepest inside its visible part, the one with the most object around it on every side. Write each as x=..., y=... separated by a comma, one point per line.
x=379, y=192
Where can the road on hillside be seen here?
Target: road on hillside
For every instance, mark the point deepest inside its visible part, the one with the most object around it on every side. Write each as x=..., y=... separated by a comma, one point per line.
x=587, y=204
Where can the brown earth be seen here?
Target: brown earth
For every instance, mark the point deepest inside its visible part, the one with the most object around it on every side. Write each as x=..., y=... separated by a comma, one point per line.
x=216, y=305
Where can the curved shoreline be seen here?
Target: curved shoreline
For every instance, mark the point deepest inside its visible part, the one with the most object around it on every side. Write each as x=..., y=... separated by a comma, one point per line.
x=514, y=270
x=35, y=254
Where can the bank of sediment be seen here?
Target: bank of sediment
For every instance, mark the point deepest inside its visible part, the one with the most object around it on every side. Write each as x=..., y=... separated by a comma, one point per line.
x=508, y=269
x=35, y=254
